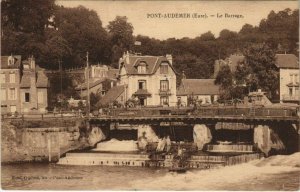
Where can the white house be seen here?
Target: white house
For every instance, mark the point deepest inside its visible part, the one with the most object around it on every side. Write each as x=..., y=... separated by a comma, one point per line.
x=150, y=79
x=288, y=65
x=203, y=90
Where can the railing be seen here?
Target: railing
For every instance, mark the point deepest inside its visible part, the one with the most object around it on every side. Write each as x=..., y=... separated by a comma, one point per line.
x=205, y=112
x=154, y=112
x=164, y=92
x=42, y=116
x=290, y=97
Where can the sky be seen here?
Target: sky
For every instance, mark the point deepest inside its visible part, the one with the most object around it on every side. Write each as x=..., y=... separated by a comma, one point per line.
x=152, y=18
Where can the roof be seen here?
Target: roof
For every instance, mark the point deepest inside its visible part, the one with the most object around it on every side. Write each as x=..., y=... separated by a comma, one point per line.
x=235, y=60
x=152, y=63
x=198, y=87
x=42, y=80
x=142, y=92
x=287, y=61
x=84, y=86
x=25, y=80
x=112, y=95
x=112, y=73
x=16, y=64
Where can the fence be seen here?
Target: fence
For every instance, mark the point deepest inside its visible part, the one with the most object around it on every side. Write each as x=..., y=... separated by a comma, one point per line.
x=206, y=111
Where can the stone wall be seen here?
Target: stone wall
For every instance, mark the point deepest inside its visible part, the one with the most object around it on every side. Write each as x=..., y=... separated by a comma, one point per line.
x=36, y=144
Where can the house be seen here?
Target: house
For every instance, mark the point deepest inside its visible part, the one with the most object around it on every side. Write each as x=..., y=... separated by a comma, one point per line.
x=33, y=87
x=150, y=79
x=101, y=79
x=10, y=76
x=288, y=68
x=203, y=90
x=232, y=61
x=100, y=86
x=116, y=93
x=288, y=65
x=24, y=86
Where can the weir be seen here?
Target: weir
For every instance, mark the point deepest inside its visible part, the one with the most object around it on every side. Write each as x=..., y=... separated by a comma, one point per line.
x=207, y=137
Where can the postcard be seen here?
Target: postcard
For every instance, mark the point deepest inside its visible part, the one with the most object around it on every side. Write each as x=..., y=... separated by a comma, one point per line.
x=150, y=95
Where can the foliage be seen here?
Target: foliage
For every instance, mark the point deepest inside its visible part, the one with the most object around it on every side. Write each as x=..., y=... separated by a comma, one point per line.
x=121, y=36
x=94, y=99
x=261, y=62
x=82, y=29
x=224, y=77
x=54, y=33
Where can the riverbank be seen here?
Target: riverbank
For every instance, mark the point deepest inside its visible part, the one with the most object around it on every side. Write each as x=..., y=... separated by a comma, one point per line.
x=43, y=141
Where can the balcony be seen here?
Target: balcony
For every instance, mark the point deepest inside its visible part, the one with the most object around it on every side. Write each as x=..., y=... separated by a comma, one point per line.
x=290, y=97
x=164, y=92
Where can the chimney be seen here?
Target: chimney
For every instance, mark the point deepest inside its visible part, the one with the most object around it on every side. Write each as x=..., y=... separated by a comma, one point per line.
x=183, y=75
x=32, y=62
x=127, y=57
x=169, y=58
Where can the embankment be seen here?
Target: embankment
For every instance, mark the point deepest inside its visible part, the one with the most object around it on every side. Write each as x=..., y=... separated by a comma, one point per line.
x=34, y=140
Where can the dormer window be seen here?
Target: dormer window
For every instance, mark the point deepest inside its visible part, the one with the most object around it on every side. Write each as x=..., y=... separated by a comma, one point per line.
x=11, y=60
x=142, y=68
x=164, y=69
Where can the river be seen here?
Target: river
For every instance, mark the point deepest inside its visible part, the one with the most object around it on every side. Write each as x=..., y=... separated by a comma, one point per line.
x=257, y=175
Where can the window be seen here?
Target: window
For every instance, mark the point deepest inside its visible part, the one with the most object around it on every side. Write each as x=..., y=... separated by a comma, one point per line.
x=164, y=100
x=142, y=68
x=3, y=94
x=291, y=78
x=164, y=69
x=11, y=60
x=40, y=97
x=27, y=97
x=12, y=78
x=142, y=84
x=12, y=93
x=297, y=90
x=2, y=78
x=296, y=78
x=290, y=91
x=164, y=85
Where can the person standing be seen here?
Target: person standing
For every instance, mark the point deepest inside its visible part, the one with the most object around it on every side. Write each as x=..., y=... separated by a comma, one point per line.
x=168, y=143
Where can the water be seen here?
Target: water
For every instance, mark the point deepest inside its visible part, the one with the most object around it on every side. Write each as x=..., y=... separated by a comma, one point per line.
x=250, y=176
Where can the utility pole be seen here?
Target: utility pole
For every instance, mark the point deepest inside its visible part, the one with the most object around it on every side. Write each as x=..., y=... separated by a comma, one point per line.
x=88, y=85
x=60, y=72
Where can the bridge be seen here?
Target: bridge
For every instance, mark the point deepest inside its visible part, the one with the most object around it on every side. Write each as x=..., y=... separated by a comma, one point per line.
x=199, y=115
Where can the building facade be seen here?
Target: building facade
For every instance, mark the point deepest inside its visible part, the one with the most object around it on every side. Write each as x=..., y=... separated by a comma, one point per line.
x=150, y=79
x=288, y=65
x=33, y=88
x=24, y=87
x=202, y=90
x=10, y=76
x=101, y=79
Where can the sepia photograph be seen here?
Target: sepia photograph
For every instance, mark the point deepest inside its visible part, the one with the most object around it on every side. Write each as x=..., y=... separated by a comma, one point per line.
x=150, y=95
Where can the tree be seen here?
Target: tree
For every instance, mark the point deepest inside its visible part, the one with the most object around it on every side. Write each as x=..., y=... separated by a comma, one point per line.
x=26, y=16
x=23, y=26
x=225, y=80
x=208, y=36
x=264, y=75
x=94, y=99
x=121, y=36
x=81, y=29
